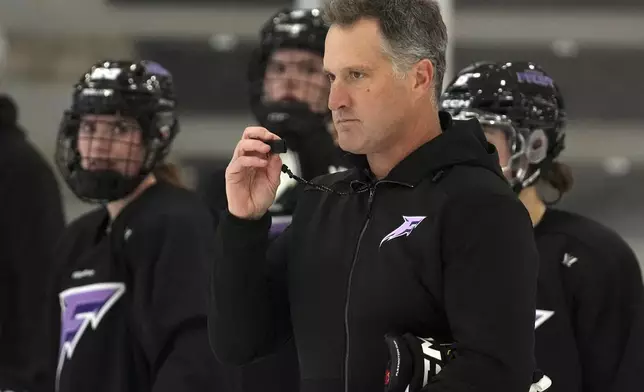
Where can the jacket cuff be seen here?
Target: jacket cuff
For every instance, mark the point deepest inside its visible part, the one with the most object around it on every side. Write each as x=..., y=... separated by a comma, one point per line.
x=235, y=230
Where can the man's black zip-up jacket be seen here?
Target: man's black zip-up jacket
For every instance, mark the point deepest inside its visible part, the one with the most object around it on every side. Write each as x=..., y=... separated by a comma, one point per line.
x=440, y=248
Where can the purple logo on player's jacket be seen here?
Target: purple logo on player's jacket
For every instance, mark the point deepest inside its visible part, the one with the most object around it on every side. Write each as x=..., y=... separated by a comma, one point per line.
x=409, y=224
x=278, y=225
x=82, y=307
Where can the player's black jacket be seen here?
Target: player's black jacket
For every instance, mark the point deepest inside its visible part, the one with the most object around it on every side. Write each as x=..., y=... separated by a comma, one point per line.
x=441, y=247
x=590, y=307
x=30, y=223
x=133, y=301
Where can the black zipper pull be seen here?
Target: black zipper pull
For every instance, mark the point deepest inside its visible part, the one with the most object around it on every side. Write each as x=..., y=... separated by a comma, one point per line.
x=438, y=176
x=372, y=192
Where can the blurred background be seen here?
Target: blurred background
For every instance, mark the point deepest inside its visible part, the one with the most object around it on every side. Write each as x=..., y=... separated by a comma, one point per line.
x=594, y=49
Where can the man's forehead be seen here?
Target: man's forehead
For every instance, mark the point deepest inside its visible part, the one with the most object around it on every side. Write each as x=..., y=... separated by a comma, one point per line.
x=351, y=46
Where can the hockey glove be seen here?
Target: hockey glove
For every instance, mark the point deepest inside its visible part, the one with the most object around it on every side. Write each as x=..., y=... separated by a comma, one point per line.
x=414, y=361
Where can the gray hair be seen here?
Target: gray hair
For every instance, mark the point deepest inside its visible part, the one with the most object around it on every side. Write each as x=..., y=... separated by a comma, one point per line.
x=412, y=30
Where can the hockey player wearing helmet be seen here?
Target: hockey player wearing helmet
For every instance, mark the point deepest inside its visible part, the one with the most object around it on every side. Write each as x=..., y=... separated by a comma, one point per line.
x=132, y=292
x=589, y=321
x=289, y=94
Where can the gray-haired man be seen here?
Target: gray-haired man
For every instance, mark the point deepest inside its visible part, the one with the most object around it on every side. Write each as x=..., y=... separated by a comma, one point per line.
x=409, y=241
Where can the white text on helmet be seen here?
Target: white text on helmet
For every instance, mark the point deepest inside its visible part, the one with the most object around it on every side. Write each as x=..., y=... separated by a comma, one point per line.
x=291, y=28
x=105, y=73
x=455, y=104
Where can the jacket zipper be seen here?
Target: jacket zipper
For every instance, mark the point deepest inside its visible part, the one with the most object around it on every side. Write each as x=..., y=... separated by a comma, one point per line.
x=372, y=191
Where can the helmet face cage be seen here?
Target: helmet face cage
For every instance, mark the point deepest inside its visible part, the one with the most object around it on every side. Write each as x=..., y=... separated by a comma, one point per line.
x=288, y=88
x=113, y=137
x=295, y=75
x=516, y=168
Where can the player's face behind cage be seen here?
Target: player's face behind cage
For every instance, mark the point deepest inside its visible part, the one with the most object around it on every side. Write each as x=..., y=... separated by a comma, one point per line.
x=517, y=150
x=511, y=155
x=295, y=75
x=110, y=143
x=119, y=127
x=509, y=141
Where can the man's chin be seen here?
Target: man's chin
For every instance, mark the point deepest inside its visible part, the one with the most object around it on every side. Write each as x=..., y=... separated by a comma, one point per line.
x=351, y=144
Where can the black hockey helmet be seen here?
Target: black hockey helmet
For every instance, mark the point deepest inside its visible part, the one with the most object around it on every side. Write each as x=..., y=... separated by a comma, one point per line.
x=521, y=99
x=301, y=29
x=136, y=101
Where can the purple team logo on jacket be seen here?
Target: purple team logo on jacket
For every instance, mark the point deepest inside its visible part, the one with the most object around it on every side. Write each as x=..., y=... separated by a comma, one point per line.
x=409, y=224
x=82, y=307
x=278, y=225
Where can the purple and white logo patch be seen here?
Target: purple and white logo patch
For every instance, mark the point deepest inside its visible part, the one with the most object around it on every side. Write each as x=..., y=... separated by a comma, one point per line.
x=278, y=225
x=82, y=307
x=409, y=224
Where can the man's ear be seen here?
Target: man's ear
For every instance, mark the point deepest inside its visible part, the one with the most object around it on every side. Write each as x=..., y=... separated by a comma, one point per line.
x=423, y=76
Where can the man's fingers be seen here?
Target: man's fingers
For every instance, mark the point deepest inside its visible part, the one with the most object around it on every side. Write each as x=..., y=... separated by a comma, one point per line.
x=259, y=133
x=251, y=147
x=244, y=162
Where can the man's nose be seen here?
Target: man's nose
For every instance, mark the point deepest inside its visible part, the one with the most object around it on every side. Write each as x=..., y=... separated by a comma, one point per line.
x=338, y=96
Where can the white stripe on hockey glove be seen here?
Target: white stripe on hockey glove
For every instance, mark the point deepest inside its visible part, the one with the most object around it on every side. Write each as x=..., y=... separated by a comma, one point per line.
x=405, y=353
x=540, y=382
x=414, y=361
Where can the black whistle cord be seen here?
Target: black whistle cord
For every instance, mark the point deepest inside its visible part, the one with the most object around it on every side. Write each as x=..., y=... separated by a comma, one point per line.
x=363, y=186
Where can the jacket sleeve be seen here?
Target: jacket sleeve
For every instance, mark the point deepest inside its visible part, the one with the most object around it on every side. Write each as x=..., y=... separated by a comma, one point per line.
x=631, y=365
x=608, y=316
x=249, y=312
x=31, y=222
x=172, y=301
x=213, y=191
x=490, y=279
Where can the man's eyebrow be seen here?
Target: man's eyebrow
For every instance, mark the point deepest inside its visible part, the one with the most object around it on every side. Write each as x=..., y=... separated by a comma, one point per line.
x=357, y=67
x=361, y=67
